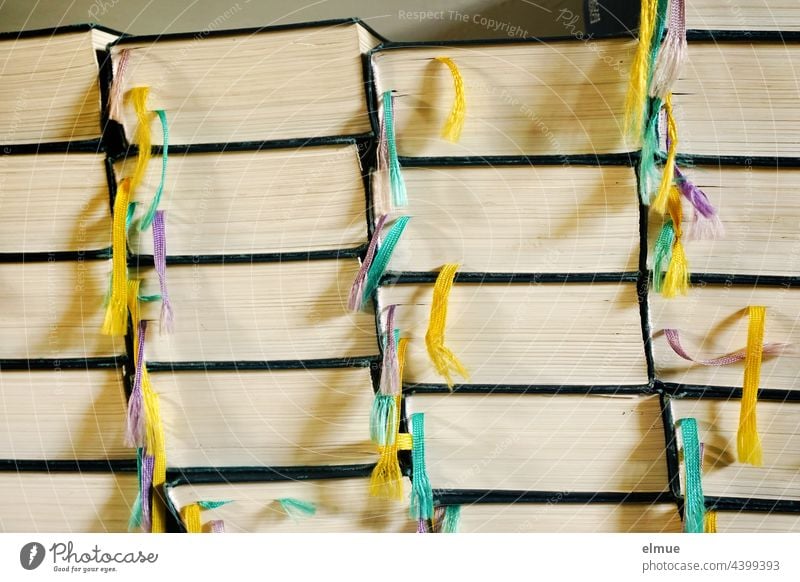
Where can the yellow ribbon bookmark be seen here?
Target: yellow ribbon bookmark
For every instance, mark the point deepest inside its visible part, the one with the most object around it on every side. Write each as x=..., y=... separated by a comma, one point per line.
x=455, y=121
x=444, y=360
x=747, y=440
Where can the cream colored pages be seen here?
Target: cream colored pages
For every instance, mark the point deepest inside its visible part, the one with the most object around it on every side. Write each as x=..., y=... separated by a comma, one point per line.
x=760, y=211
x=267, y=201
x=55, y=310
x=54, y=202
x=342, y=505
x=275, y=418
x=65, y=502
x=294, y=83
x=521, y=98
x=713, y=322
x=62, y=415
x=537, y=442
x=293, y=310
x=572, y=334
x=101, y=39
x=780, y=15
x=49, y=89
x=520, y=219
x=739, y=99
x=723, y=475
x=757, y=522
x=557, y=517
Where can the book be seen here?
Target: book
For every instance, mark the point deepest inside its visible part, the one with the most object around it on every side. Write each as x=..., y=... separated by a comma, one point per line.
x=743, y=15
x=54, y=202
x=271, y=83
x=335, y=505
x=63, y=414
x=712, y=322
x=50, y=85
x=66, y=501
x=543, y=442
x=735, y=521
x=527, y=333
x=759, y=209
x=521, y=97
x=735, y=98
x=286, y=200
x=259, y=312
x=560, y=517
x=266, y=418
x=54, y=310
x=722, y=474
x=520, y=218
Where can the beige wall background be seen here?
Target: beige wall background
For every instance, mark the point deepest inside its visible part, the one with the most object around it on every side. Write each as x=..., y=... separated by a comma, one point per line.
x=403, y=20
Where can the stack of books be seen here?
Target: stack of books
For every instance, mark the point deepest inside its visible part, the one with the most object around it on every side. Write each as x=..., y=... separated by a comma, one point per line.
x=65, y=466
x=536, y=205
x=302, y=278
x=265, y=381
x=737, y=125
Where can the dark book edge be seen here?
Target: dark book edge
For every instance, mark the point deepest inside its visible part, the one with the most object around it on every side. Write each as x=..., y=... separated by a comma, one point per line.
x=671, y=449
x=68, y=466
x=694, y=391
x=147, y=260
x=543, y=40
x=57, y=364
x=132, y=150
x=247, y=365
x=699, y=35
x=691, y=160
x=429, y=277
x=480, y=496
x=628, y=159
x=94, y=146
x=551, y=389
x=55, y=30
x=43, y=256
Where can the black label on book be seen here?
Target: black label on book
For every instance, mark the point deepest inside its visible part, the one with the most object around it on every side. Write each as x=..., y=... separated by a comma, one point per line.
x=610, y=17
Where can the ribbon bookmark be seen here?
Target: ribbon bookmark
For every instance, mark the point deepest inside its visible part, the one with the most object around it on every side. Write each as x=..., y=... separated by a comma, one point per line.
x=673, y=52
x=421, y=505
x=382, y=257
x=115, y=93
x=386, y=479
x=455, y=120
x=694, y=506
x=116, y=321
x=150, y=215
x=399, y=194
x=143, y=138
x=354, y=301
x=674, y=340
x=748, y=443
x=443, y=359
x=640, y=69
x=167, y=320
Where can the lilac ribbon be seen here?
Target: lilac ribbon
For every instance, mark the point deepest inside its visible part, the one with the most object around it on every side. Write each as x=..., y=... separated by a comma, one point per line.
x=390, y=374
x=167, y=321
x=134, y=428
x=356, y=291
x=674, y=341
x=148, y=464
x=694, y=195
